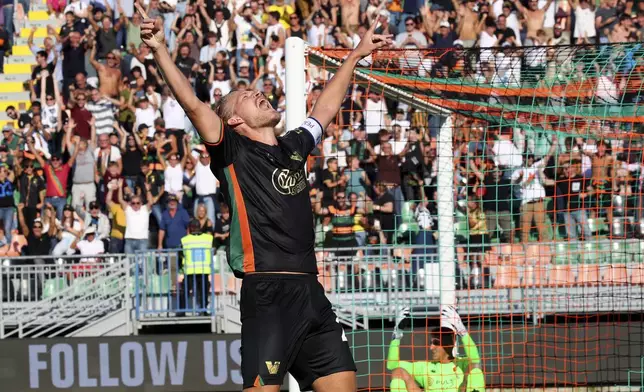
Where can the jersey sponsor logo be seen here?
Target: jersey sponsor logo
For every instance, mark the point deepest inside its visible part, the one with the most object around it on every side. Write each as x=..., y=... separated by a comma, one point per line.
x=289, y=182
x=273, y=367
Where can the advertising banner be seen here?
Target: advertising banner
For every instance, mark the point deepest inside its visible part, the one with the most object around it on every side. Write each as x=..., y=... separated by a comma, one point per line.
x=519, y=356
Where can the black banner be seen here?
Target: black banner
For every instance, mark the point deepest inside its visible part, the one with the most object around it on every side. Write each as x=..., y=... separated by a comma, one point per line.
x=519, y=356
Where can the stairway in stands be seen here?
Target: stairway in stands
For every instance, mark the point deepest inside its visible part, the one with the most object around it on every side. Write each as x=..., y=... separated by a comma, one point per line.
x=18, y=67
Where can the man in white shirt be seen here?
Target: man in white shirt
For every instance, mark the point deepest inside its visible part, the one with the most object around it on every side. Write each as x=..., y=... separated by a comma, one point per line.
x=137, y=219
x=246, y=39
x=507, y=156
x=90, y=246
x=206, y=185
x=375, y=117
x=173, y=113
x=531, y=180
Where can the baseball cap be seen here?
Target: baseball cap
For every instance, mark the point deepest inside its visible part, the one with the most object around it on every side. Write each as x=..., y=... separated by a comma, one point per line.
x=172, y=197
x=7, y=127
x=458, y=42
x=384, y=13
x=244, y=63
x=93, y=205
x=90, y=230
x=443, y=23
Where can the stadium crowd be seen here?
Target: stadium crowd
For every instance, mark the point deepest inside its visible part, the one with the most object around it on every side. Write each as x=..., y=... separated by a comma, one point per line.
x=105, y=155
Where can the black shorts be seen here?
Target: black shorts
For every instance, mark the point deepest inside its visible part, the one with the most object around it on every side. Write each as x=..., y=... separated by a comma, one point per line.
x=288, y=326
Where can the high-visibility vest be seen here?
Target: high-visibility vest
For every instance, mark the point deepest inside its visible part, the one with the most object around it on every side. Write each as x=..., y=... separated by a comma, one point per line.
x=197, y=252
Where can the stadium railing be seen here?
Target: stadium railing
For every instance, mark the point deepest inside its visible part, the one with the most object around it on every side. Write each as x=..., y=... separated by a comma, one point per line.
x=50, y=296
x=534, y=279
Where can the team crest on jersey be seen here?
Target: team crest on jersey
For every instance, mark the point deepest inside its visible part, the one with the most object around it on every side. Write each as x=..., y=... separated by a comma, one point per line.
x=289, y=182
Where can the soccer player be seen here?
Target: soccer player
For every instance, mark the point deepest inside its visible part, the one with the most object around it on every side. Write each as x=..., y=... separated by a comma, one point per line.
x=287, y=322
x=445, y=372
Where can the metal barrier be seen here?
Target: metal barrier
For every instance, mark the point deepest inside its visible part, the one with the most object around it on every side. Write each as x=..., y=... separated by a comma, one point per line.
x=54, y=298
x=50, y=299
x=164, y=291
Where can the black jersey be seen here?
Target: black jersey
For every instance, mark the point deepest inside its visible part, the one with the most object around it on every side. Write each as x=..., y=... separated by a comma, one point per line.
x=267, y=191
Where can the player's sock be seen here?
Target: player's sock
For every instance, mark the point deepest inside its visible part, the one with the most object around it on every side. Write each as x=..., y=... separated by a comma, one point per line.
x=398, y=385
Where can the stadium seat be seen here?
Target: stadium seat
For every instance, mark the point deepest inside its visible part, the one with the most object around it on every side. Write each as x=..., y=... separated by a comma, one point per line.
x=53, y=286
x=232, y=284
x=618, y=252
x=80, y=286
x=158, y=284
x=512, y=254
x=561, y=276
x=597, y=225
x=566, y=253
x=507, y=276
x=637, y=274
x=614, y=274
x=635, y=249
x=491, y=258
x=217, y=286
x=593, y=253
x=534, y=275
x=538, y=254
x=588, y=274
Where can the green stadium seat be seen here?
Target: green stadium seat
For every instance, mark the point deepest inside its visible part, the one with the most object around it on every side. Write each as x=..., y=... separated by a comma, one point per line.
x=132, y=284
x=158, y=284
x=597, y=225
x=461, y=228
x=80, y=286
x=619, y=253
x=566, y=253
x=111, y=287
x=636, y=250
x=53, y=286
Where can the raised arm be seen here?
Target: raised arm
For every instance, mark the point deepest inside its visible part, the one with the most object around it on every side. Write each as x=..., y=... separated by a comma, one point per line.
x=328, y=105
x=208, y=124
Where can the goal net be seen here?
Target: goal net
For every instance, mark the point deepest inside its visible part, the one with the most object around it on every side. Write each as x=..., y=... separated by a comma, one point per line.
x=506, y=181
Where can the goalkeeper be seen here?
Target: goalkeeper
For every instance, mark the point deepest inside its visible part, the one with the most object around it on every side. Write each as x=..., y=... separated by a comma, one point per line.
x=445, y=372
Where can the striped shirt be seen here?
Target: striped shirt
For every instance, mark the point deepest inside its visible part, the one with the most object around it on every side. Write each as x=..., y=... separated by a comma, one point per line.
x=103, y=112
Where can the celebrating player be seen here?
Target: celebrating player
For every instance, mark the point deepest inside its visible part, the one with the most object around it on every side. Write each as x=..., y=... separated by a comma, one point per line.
x=287, y=322
x=444, y=372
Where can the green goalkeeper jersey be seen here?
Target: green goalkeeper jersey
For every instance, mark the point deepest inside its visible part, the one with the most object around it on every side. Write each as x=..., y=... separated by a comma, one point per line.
x=442, y=377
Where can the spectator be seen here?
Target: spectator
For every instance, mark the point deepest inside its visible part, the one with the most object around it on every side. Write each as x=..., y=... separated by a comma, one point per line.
x=222, y=228
x=206, y=187
x=89, y=246
x=94, y=219
x=70, y=230
x=137, y=217
x=531, y=180
x=574, y=190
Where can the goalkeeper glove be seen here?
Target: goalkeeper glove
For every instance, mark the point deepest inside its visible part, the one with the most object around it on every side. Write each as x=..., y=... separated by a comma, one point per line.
x=402, y=315
x=451, y=320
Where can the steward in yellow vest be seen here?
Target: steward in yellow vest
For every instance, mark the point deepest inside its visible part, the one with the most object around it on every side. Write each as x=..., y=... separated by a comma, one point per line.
x=197, y=269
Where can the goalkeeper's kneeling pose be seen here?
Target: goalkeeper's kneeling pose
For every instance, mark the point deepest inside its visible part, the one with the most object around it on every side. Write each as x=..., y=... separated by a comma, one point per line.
x=444, y=372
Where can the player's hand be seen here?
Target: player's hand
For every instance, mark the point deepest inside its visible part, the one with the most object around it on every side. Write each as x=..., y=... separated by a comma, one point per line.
x=451, y=320
x=402, y=315
x=372, y=41
x=151, y=30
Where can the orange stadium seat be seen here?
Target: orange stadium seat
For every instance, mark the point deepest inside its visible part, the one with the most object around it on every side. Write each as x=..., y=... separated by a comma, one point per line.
x=507, y=276
x=512, y=254
x=217, y=285
x=561, y=276
x=614, y=274
x=534, y=276
x=588, y=274
x=538, y=254
x=637, y=274
x=491, y=258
